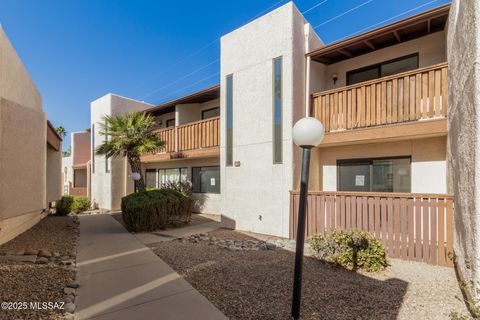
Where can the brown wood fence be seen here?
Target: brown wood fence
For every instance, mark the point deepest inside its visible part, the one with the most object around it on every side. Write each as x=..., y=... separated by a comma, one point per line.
x=408, y=96
x=194, y=135
x=410, y=226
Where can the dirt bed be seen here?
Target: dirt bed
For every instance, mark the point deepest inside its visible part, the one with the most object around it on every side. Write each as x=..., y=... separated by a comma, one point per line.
x=35, y=282
x=53, y=233
x=258, y=284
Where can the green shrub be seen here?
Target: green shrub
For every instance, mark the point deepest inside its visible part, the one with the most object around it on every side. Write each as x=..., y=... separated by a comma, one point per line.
x=155, y=209
x=68, y=204
x=80, y=204
x=352, y=249
x=64, y=205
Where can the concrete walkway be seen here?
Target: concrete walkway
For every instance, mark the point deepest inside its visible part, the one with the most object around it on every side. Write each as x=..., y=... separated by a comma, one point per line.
x=120, y=278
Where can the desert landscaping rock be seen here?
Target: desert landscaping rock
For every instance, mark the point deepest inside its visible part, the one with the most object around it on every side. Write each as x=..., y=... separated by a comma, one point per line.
x=73, y=285
x=257, y=284
x=42, y=260
x=44, y=280
x=23, y=258
x=68, y=290
x=69, y=307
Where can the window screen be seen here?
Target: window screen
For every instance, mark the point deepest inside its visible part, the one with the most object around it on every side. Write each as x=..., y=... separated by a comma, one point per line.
x=376, y=175
x=206, y=179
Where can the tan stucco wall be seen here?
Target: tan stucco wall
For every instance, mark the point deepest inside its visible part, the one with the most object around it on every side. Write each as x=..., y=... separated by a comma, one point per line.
x=54, y=175
x=15, y=83
x=464, y=136
x=431, y=50
x=81, y=148
x=23, y=146
x=428, y=166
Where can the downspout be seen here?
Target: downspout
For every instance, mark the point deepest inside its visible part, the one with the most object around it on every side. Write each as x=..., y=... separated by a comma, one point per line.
x=307, y=69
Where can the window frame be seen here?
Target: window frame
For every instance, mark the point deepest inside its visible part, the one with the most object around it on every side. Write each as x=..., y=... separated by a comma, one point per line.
x=378, y=66
x=158, y=183
x=370, y=160
x=203, y=192
x=274, y=114
x=210, y=109
x=166, y=123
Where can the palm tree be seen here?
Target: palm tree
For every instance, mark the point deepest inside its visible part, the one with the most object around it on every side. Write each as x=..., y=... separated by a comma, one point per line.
x=129, y=135
x=61, y=131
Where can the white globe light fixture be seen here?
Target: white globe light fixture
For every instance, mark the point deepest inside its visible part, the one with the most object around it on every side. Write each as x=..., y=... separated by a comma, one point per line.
x=135, y=176
x=307, y=134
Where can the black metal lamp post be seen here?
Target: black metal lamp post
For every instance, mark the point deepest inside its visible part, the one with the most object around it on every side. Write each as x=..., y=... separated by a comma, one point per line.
x=307, y=133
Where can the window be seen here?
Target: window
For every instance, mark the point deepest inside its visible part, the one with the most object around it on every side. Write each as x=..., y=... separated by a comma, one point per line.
x=277, y=110
x=170, y=123
x=151, y=178
x=106, y=140
x=206, y=179
x=80, y=178
x=210, y=113
x=383, y=69
x=376, y=175
x=93, y=147
x=229, y=135
x=155, y=178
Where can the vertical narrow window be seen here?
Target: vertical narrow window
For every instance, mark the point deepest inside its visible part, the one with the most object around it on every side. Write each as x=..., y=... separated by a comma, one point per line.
x=229, y=135
x=106, y=140
x=93, y=147
x=277, y=110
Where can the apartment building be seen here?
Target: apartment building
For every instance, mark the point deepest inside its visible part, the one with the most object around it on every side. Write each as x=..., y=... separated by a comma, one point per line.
x=381, y=95
x=30, y=155
x=393, y=151
x=75, y=168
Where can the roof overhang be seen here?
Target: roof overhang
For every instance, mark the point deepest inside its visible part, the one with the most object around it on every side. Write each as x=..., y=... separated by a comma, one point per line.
x=420, y=25
x=205, y=95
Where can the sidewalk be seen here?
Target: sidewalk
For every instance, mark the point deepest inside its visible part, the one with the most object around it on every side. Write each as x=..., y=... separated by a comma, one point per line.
x=120, y=278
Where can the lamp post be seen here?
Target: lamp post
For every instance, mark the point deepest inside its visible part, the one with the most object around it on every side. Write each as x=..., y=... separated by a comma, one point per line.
x=307, y=133
x=135, y=176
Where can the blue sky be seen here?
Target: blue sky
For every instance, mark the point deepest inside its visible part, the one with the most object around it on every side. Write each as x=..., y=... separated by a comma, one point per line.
x=77, y=51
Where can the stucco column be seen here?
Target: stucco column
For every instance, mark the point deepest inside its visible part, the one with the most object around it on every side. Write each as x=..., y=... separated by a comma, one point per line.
x=463, y=54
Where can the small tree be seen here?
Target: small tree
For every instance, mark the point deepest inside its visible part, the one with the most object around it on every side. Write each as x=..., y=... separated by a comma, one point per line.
x=129, y=135
x=61, y=131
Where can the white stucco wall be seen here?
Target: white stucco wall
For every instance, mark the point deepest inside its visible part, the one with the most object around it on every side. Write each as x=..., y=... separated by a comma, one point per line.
x=67, y=171
x=255, y=195
x=108, y=187
x=464, y=137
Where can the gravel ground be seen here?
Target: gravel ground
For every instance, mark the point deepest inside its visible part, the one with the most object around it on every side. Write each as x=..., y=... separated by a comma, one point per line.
x=258, y=284
x=22, y=282
x=27, y=282
x=51, y=234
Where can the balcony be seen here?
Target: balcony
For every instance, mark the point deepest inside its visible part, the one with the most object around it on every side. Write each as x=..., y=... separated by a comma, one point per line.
x=199, y=139
x=412, y=103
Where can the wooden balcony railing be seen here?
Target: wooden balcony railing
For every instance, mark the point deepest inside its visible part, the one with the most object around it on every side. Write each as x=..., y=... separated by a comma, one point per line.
x=409, y=96
x=410, y=226
x=194, y=135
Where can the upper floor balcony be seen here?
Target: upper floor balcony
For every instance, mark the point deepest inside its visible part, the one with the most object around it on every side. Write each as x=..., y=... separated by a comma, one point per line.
x=379, y=106
x=387, y=84
x=198, y=139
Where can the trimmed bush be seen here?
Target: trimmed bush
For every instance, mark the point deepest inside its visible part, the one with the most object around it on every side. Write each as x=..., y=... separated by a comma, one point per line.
x=80, y=204
x=68, y=204
x=64, y=205
x=351, y=249
x=155, y=209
